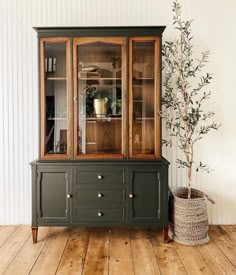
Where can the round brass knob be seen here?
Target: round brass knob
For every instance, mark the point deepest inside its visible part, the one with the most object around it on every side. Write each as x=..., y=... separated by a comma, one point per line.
x=99, y=214
x=69, y=196
x=99, y=195
x=131, y=196
x=99, y=177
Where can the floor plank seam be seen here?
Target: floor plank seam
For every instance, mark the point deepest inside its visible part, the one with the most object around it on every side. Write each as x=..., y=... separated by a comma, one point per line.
x=40, y=252
x=223, y=252
x=109, y=249
x=10, y=235
x=174, y=245
x=205, y=260
x=155, y=254
x=85, y=255
x=131, y=252
x=63, y=251
x=17, y=253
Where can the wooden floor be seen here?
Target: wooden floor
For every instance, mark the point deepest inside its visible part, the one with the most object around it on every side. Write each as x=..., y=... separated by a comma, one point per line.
x=90, y=251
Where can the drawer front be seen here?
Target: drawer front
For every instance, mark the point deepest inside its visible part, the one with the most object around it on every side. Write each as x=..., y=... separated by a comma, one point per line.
x=100, y=176
x=99, y=195
x=97, y=213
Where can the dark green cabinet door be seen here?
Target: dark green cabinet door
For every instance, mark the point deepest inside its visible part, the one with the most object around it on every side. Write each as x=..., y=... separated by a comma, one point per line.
x=144, y=196
x=53, y=195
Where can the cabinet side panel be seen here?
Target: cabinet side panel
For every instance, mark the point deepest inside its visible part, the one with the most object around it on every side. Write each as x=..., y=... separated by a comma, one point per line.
x=34, y=195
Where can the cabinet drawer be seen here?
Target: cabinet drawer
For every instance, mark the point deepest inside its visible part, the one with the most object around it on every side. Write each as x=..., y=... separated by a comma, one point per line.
x=99, y=195
x=100, y=176
x=97, y=213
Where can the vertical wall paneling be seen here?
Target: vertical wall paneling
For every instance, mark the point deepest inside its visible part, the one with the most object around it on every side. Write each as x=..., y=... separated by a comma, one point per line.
x=19, y=90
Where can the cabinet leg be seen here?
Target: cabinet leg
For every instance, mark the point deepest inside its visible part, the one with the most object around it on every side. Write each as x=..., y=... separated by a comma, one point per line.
x=165, y=234
x=34, y=234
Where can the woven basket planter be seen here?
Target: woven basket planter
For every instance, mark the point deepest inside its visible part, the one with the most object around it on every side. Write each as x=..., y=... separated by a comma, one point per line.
x=188, y=217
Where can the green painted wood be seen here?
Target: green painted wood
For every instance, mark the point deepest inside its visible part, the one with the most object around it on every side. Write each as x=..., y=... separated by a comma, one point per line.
x=148, y=183
x=145, y=187
x=99, y=195
x=99, y=175
x=98, y=213
x=100, y=31
x=53, y=187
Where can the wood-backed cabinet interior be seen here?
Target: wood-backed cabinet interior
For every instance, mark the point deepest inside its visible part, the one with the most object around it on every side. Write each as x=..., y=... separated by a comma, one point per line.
x=113, y=109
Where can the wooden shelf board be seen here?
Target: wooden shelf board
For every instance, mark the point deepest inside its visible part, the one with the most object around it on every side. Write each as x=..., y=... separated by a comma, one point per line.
x=99, y=78
x=57, y=118
x=56, y=78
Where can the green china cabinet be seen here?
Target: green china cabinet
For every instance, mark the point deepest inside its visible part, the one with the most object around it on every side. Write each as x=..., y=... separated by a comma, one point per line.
x=100, y=161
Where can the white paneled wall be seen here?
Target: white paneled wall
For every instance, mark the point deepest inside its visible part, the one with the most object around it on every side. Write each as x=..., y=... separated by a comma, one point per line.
x=213, y=30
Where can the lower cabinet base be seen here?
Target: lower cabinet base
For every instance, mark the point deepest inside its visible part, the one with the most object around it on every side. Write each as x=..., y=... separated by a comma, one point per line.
x=115, y=193
x=35, y=234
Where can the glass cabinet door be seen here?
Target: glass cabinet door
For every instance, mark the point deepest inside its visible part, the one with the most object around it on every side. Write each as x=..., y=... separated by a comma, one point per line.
x=99, y=99
x=55, y=98
x=144, y=97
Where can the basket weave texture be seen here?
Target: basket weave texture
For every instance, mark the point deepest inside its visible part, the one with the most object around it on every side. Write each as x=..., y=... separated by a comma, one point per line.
x=188, y=217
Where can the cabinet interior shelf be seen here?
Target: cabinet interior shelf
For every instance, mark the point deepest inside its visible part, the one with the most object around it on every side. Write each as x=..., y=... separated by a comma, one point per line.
x=56, y=78
x=57, y=118
x=99, y=78
x=143, y=78
x=94, y=119
x=144, y=118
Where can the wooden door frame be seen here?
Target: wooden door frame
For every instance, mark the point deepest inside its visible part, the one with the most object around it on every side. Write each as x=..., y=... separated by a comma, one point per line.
x=112, y=40
x=157, y=90
x=43, y=153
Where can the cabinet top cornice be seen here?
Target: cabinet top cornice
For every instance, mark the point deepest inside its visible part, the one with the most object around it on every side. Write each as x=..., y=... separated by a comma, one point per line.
x=100, y=31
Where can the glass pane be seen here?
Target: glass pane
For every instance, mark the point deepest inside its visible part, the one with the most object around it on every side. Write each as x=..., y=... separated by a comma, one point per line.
x=56, y=98
x=143, y=97
x=99, y=98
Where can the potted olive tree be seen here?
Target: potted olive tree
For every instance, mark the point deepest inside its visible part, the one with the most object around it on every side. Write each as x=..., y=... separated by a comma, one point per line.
x=186, y=120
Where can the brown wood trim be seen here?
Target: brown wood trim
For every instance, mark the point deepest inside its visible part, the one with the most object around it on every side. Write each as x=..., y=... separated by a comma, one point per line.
x=157, y=98
x=143, y=156
x=143, y=38
x=69, y=94
x=87, y=40
x=42, y=99
x=43, y=94
x=99, y=156
x=165, y=234
x=124, y=114
x=131, y=98
x=56, y=156
x=34, y=234
x=116, y=40
x=75, y=101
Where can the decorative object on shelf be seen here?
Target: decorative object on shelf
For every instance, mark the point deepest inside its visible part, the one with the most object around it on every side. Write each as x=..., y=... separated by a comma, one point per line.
x=100, y=106
x=188, y=122
x=88, y=68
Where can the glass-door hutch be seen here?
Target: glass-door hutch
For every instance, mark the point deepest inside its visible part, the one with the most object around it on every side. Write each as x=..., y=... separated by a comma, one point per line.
x=100, y=157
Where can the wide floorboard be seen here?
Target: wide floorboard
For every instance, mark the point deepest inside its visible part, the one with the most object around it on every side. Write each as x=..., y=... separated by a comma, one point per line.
x=121, y=251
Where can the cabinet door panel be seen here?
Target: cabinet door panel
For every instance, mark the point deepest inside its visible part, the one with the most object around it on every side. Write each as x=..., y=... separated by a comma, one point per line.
x=53, y=186
x=144, y=97
x=55, y=90
x=144, y=196
x=100, y=93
